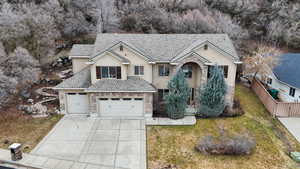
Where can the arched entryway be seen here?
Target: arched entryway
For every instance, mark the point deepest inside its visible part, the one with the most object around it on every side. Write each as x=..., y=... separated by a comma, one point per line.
x=195, y=74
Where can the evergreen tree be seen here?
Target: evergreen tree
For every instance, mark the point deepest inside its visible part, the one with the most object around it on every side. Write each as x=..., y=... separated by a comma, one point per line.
x=212, y=95
x=176, y=100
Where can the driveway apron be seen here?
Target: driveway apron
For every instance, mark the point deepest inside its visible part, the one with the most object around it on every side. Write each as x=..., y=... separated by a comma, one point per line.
x=110, y=143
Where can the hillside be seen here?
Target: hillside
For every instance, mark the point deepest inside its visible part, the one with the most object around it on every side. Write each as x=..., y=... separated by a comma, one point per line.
x=39, y=29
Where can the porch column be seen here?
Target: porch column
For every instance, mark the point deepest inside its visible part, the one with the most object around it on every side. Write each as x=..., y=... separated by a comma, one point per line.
x=204, y=75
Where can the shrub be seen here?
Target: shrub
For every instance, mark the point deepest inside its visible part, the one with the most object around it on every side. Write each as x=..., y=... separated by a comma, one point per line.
x=236, y=110
x=225, y=145
x=212, y=96
x=176, y=99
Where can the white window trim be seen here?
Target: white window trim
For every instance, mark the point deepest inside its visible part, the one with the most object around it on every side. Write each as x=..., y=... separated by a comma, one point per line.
x=108, y=72
x=139, y=70
x=164, y=69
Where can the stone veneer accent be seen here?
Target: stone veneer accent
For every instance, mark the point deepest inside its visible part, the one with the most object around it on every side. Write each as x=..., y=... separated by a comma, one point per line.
x=148, y=100
x=62, y=106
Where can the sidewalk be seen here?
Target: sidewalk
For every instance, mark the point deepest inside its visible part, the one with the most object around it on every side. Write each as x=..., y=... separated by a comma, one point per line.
x=293, y=125
x=160, y=121
x=40, y=162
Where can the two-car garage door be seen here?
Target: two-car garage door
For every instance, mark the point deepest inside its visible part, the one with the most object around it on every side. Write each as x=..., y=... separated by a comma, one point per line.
x=121, y=107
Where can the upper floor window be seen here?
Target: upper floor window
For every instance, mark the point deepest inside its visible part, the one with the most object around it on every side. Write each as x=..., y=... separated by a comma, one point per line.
x=269, y=81
x=138, y=70
x=188, y=71
x=104, y=72
x=292, y=91
x=224, y=67
x=121, y=48
x=163, y=70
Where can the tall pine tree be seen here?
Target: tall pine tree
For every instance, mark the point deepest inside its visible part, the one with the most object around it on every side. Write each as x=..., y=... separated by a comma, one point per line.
x=212, y=95
x=176, y=99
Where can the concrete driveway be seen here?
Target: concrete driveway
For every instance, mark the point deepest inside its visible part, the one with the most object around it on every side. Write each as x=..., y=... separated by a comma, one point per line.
x=111, y=144
x=293, y=125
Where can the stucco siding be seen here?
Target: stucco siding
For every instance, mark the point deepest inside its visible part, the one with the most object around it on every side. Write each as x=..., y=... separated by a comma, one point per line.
x=79, y=64
x=108, y=60
x=217, y=58
x=161, y=82
x=136, y=60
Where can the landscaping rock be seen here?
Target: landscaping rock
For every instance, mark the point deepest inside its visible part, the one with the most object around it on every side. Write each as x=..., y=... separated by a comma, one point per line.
x=33, y=109
x=25, y=93
x=30, y=101
x=65, y=74
x=6, y=141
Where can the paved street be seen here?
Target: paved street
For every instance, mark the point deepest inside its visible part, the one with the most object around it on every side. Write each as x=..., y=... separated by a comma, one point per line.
x=113, y=144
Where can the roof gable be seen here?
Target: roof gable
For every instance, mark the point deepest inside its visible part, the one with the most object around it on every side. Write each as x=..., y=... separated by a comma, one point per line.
x=127, y=46
x=121, y=59
x=199, y=44
x=191, y=53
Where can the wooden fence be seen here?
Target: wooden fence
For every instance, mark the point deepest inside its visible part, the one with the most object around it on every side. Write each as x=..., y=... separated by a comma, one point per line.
x=276, y=108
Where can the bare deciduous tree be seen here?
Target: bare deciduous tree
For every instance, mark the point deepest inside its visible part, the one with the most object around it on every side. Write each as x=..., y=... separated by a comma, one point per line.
x=262, y=61
x=11, y=23
x=7, y=87
x=106, y=13
x=22, y=66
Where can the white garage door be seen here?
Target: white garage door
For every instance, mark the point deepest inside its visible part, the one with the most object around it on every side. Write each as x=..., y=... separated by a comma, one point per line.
x=78, y=103
x=116, y=107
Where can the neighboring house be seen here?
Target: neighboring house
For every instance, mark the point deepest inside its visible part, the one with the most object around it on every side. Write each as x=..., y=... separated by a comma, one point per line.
x=125, y=75
x=286, y=78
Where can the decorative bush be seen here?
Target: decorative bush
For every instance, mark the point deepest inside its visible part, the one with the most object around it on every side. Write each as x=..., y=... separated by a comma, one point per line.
x=224, y=145
x=212, y=95
x=235, y=111
x=176, y=100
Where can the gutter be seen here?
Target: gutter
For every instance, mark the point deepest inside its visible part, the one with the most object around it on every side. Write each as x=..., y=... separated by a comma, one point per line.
x=58, y=88
x=93, y=91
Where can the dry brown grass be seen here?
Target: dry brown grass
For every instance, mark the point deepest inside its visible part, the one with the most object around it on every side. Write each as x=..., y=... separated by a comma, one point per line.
x=15, y=127
x=175, y=145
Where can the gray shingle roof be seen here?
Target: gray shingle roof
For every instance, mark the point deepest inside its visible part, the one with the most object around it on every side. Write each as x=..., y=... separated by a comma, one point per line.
x=117, y=85
x=80, y=79
x=163, y=47
x=287, y=70
x=82, y=50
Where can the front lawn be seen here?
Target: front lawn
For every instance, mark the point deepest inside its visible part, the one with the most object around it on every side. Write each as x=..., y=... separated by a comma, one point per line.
x=175, y=145
x=15, y=127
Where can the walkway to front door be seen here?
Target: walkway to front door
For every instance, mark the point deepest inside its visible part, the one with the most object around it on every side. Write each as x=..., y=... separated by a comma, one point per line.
x=112, y=144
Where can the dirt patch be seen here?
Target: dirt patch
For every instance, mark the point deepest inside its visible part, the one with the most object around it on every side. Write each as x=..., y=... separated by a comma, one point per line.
x=20, y=128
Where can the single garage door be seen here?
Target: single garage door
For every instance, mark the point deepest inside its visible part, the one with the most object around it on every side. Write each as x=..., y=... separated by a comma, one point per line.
x=78, y=103
x=117, y=107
